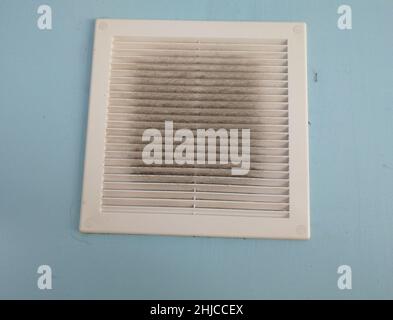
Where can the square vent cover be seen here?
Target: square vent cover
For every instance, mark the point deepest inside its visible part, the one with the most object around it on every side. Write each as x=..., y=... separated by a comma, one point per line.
x=156, y=88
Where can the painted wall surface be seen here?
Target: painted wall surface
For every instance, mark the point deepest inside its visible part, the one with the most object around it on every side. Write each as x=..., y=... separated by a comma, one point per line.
x=44, y=87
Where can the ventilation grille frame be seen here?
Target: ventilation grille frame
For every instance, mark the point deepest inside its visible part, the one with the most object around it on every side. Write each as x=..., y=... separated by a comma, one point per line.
x=294, y=225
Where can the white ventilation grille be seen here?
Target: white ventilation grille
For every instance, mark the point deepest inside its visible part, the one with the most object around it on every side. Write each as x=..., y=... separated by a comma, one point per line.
x=198, y=75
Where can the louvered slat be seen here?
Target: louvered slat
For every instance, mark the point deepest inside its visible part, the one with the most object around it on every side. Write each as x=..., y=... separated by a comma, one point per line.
x=197, y=84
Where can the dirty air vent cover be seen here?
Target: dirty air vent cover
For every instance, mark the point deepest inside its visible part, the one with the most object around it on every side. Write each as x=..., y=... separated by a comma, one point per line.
x=226, y=77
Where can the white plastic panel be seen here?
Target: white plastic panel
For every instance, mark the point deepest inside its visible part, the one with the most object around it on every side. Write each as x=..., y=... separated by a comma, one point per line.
x=199, y=75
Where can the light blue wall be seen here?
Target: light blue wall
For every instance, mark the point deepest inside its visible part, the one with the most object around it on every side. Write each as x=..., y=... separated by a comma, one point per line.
x=44, y=84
